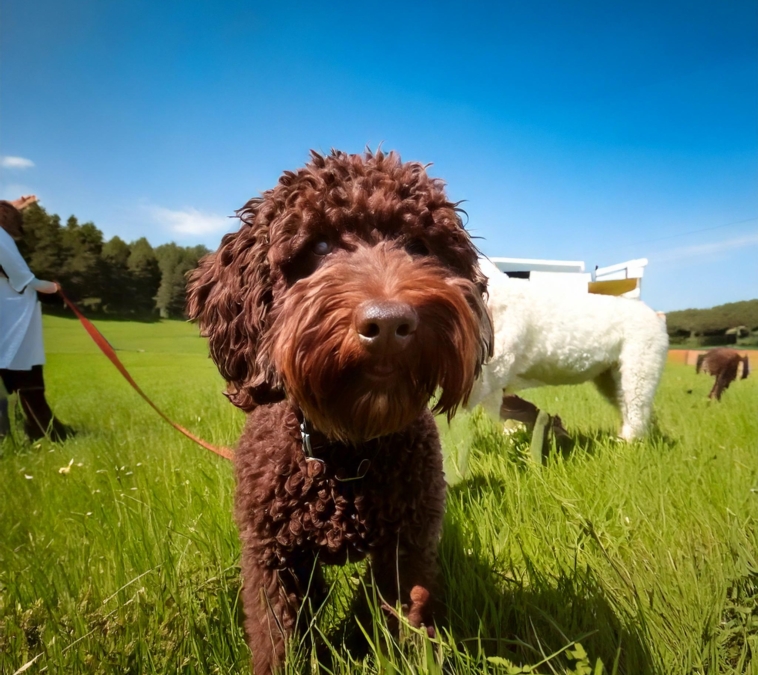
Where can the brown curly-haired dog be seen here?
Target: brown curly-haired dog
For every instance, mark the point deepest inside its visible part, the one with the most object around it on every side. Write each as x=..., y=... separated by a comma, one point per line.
x=724, y=364
x=349, y=297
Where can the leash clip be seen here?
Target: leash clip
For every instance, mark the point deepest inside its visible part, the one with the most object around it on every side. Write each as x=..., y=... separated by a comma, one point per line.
x=305, y=434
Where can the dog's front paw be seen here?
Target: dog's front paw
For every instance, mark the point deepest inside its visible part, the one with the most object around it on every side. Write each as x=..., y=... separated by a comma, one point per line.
x=419, y=613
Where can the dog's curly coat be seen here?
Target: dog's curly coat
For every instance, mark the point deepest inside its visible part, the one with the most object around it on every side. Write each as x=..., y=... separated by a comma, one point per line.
x=348, y=298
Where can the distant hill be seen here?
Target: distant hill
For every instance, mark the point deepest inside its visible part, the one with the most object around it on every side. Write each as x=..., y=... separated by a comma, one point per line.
x=714, y=322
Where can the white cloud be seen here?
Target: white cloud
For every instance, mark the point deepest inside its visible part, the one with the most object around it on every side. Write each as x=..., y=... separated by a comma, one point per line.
x=189, y=221
x=8, y=162
x=711, y=248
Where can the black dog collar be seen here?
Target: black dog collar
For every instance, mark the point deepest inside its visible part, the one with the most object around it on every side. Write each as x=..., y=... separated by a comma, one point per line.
x=306, y=433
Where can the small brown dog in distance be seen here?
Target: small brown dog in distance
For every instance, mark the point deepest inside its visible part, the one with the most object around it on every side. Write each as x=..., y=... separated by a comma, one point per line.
x=724, y=365
x=349, y=297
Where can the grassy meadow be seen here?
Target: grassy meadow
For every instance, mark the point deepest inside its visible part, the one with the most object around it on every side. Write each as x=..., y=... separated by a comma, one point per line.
x=118, y=553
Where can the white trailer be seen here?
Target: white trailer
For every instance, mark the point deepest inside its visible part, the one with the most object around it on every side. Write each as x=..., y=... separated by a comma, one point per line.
x=623, y=279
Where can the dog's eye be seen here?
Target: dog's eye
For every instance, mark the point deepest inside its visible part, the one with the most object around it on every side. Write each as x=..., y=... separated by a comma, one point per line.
x=322, y=247
x=417, y=247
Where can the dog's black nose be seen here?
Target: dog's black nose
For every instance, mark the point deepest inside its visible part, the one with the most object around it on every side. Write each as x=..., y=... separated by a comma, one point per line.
x=385, y=327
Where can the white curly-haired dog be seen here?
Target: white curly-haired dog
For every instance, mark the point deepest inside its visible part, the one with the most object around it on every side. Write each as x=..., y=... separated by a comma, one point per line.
x=545, y=336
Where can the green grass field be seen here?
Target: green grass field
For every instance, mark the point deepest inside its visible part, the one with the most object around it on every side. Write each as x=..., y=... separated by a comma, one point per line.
x=118, y=553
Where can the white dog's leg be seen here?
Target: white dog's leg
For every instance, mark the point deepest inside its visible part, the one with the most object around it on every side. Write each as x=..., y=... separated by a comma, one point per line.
x=631, y=383
x=640, y=370
x=635, y=413
x=631, y=404
x=626, y=390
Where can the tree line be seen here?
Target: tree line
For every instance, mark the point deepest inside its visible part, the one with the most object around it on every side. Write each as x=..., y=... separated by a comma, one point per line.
x=739, y=319
x=108, y=277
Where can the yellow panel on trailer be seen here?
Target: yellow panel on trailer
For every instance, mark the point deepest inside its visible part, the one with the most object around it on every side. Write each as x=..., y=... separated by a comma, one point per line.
x=612, y=286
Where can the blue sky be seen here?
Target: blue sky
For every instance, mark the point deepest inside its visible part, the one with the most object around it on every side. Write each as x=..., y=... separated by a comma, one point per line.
x=592, y=131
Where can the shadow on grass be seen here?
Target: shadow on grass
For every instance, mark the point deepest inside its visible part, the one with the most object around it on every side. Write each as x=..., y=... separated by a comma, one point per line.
x=526, y=615
x=589, y=443
x=488, y=438
x=576, y=443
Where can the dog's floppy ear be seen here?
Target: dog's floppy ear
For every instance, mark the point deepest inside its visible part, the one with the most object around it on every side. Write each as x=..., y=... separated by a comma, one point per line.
x=229, y=294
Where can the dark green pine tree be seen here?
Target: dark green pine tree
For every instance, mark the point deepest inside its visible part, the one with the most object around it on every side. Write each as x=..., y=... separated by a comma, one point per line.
x=81, y=273
x=175, y=261
x=116, y=277
x=145, y=276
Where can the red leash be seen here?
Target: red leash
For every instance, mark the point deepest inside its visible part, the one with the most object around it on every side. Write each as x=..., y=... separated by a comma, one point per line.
x=105, y=347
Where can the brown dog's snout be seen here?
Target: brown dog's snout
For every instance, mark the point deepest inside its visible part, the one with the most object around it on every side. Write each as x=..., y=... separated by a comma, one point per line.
x=385, y=328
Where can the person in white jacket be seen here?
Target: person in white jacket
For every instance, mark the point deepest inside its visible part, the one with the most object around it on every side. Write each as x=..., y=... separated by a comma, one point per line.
x=22, y=352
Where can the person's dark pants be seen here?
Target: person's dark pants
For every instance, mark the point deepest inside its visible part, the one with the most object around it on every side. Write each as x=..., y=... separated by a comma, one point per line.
x=30, y=387
x=5, y=426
